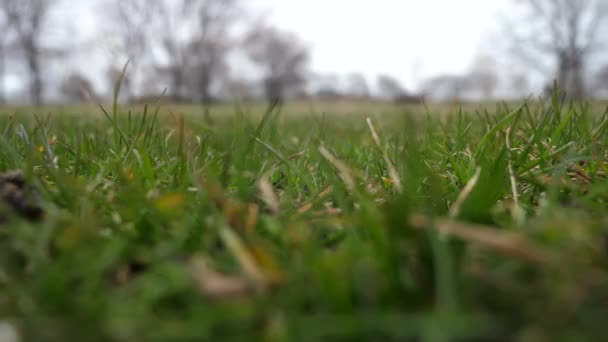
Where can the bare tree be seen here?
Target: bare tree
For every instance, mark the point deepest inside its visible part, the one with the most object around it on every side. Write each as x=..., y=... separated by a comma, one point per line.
x=357, y=86
x=601, y=81
x=214, y=41
x=205, y=66
x=4, y=39
x=447, y=87
x=483, y=76
x=240, y=89
x=389, y=87
x=568, y=31
x=282, y=57
x=113, y=73
x=193, y=38
x=175, y=21
x=28, y=20
x=519, y=84
x=325, y=86
x=76, y=88
x=129, y=38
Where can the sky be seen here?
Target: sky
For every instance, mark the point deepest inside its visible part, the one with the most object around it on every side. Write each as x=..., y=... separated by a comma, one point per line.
x=408, y=39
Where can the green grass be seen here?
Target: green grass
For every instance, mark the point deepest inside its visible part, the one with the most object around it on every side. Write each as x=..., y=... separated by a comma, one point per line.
x=268, y=226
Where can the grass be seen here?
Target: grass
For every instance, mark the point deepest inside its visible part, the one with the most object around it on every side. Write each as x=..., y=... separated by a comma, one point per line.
x=488, y=224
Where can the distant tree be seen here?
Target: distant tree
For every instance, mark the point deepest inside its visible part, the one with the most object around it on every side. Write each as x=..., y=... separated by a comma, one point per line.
x=28, y=20
x=325, y=86
x=216, y=18
x=4, y=39
x=240, y=89
x=483, y=76
x=77, y=88
x=447, y=87
x=114, y=73
x=328, y=94
x=357, y=86
x=129, y=39
x=519, y=84
x=389, y=87
x=174, y=23
x=567, y=31
x=191, y=42
x=601, y=80
x=205, y=68
x=282, y=57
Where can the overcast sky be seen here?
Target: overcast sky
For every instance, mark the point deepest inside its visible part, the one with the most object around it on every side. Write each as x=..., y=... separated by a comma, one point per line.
x=406, y=38
x=411, y=40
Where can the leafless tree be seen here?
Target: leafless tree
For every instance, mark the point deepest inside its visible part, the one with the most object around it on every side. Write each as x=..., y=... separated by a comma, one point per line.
x=76, y=88
x=519, y=84
x=325, y=86
x=483, y=76
x=194, y=38
x=28, y=20
x=601, y=81
x=174, y=23
x=567, y=31
x=129, y=38
x=357, y=86
x=447, y=87
x=113, y=73
x=240, y=89
x=205, y=66
x=389, y=87
x=282, y=57
x=4, y=40
x=216, y=18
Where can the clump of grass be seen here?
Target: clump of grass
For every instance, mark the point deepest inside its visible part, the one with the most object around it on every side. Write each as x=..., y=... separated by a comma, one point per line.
x=162, y=226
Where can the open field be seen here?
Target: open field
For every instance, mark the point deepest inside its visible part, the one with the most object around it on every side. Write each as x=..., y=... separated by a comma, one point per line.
x=251, y=224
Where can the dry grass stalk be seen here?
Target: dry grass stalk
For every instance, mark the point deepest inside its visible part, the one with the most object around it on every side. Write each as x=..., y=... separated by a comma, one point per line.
x=343, y=170
x=216, y=285
x=464, y=194
x=392, y=171
x=268, y=196
x=503, y=242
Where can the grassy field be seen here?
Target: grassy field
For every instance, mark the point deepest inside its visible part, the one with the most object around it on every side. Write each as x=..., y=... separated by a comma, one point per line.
x=254, y=224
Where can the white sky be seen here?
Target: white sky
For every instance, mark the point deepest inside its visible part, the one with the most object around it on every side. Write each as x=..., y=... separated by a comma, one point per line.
x=411, y=40
x=405, y=38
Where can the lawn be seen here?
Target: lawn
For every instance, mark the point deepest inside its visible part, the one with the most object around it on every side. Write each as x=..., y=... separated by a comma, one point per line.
x=248, y=223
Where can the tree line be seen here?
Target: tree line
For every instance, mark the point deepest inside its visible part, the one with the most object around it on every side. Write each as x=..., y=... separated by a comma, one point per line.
x=203, y=51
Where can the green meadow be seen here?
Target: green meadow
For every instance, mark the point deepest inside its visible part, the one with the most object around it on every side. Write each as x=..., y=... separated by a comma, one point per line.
x=272, y=223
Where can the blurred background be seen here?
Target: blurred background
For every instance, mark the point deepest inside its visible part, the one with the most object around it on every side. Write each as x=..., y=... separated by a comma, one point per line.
x=209, y=51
